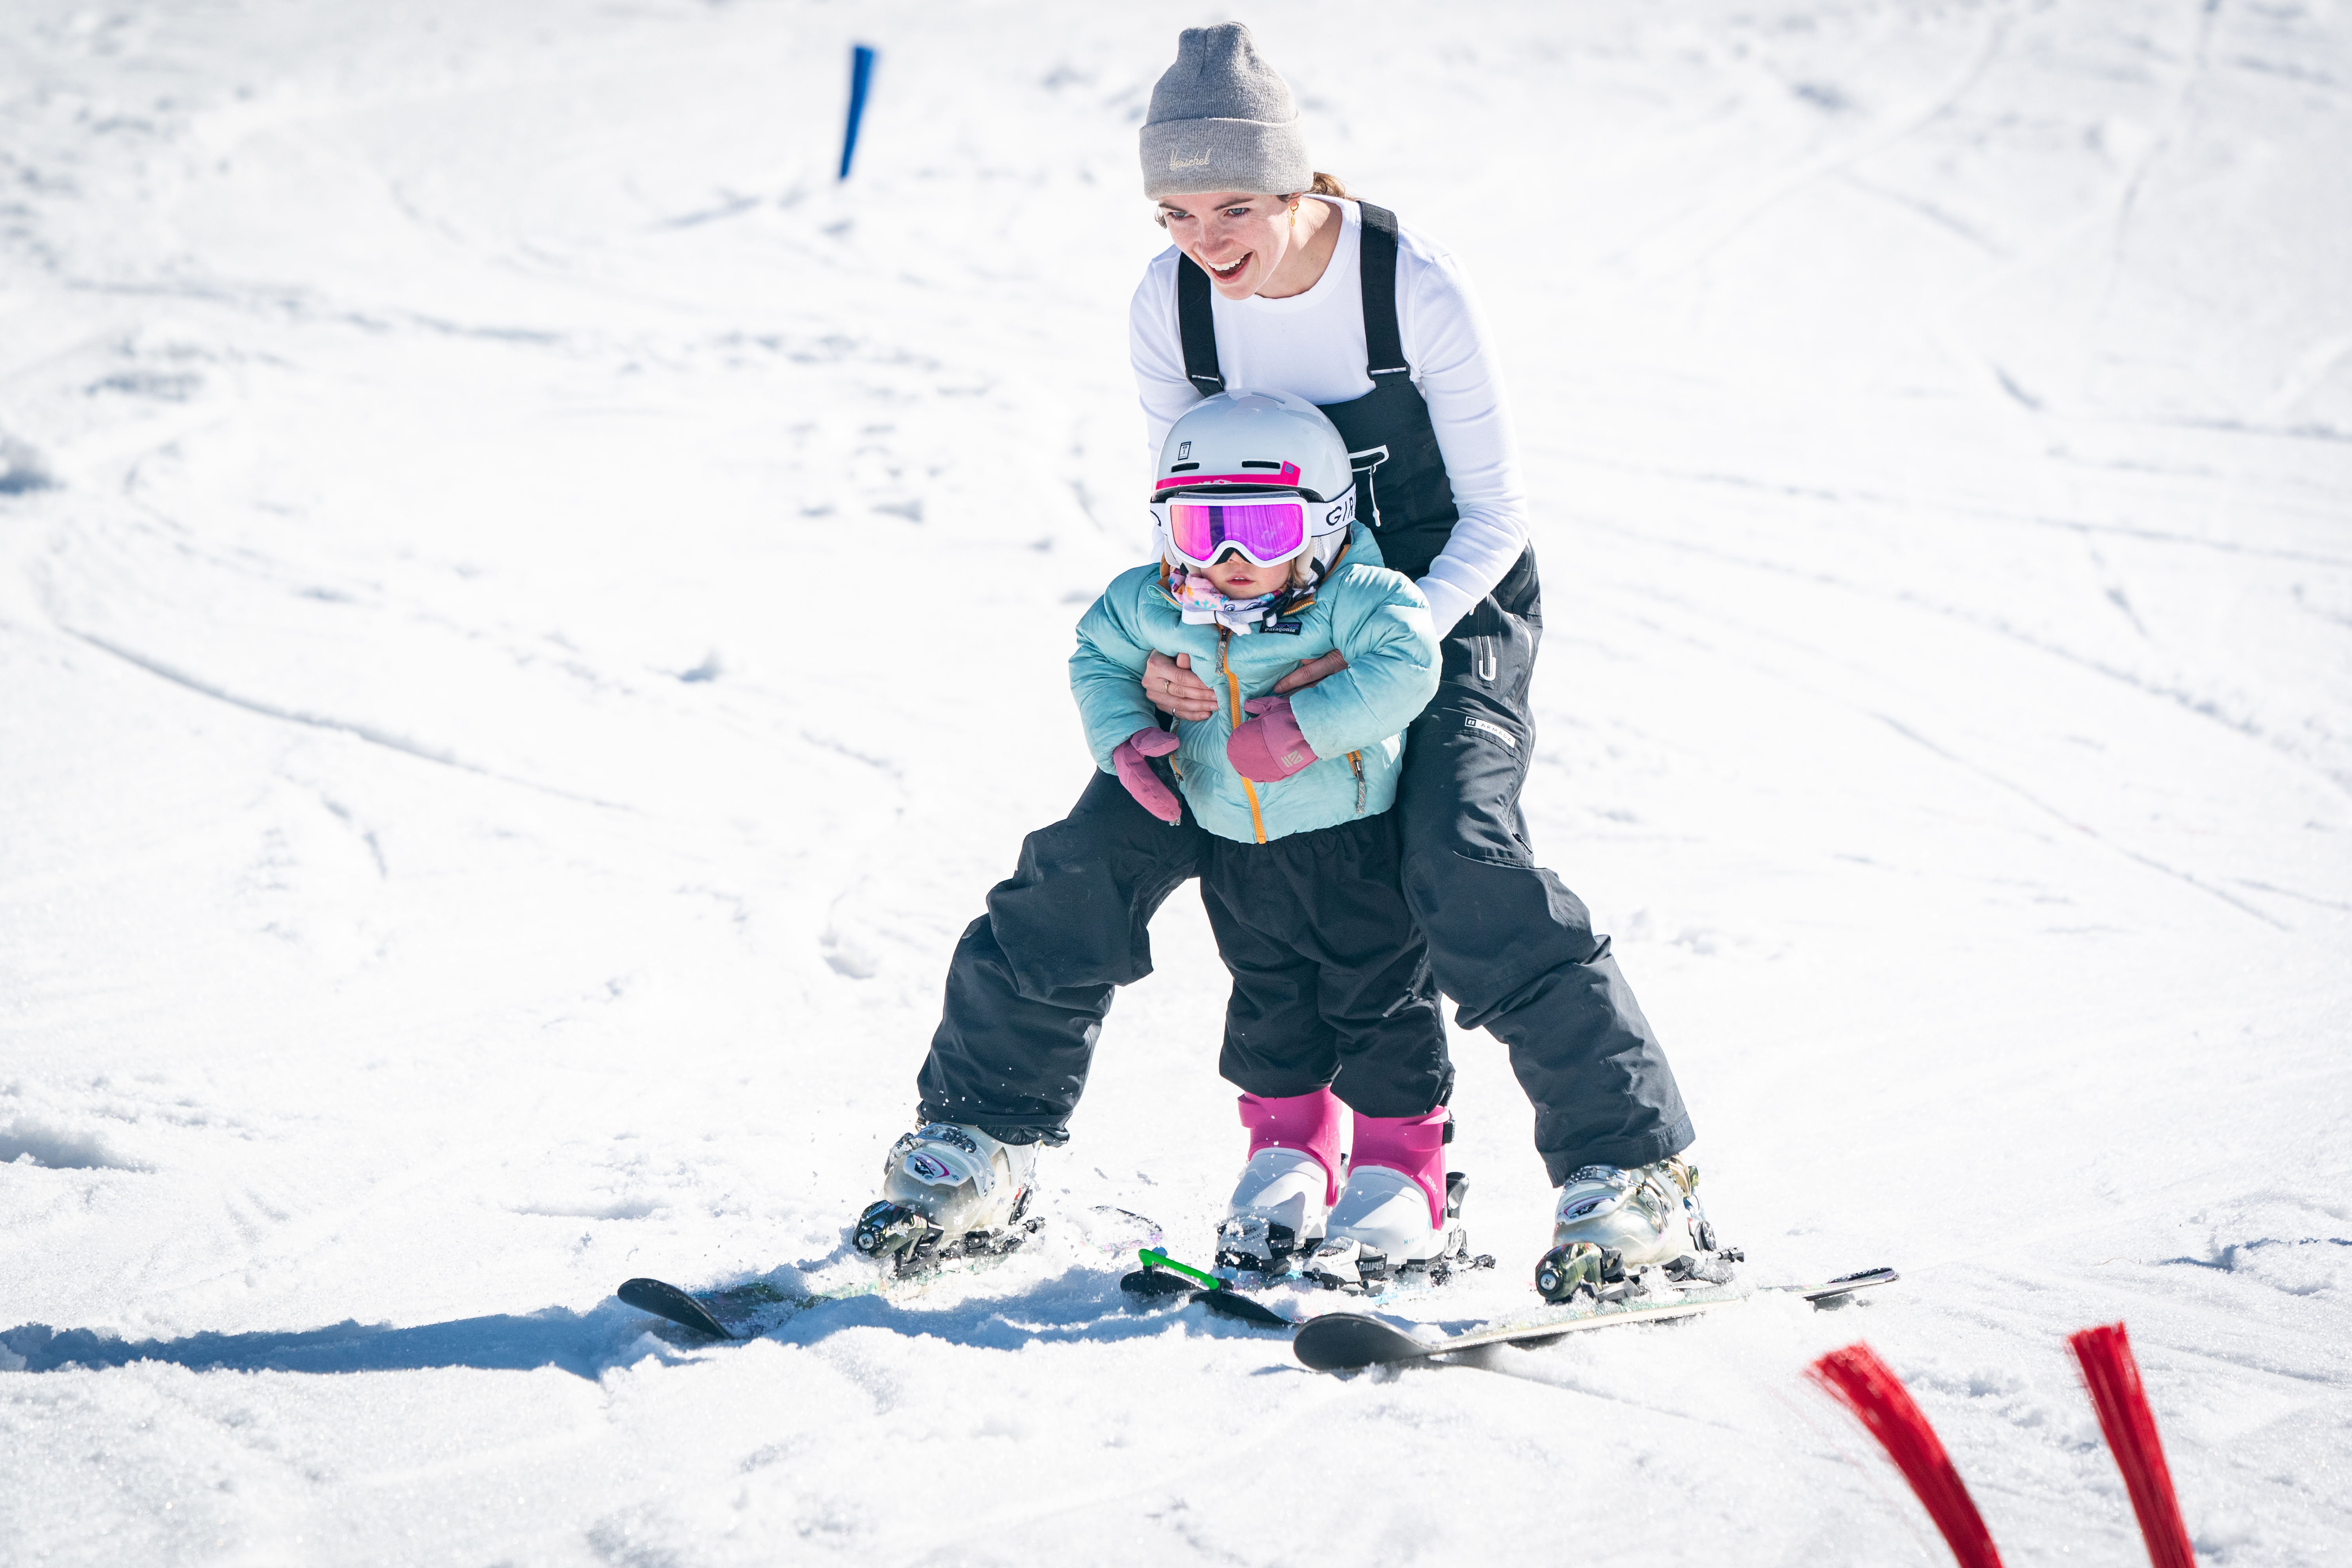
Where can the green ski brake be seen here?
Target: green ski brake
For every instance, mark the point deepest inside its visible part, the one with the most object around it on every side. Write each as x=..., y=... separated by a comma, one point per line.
x=1155, y=1258
x=1217, y=1295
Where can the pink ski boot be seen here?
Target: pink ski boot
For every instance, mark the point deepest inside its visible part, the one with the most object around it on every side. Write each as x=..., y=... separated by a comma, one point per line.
x=1287, y=1186
x=1401, y=1208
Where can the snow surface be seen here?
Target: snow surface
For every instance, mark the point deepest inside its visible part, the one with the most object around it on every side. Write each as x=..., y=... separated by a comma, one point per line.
x=529, y=618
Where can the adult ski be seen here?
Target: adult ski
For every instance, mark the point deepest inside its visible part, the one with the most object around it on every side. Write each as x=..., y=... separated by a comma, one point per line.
x=664, y=1300
x=746, y=1311
x=1342, y=1341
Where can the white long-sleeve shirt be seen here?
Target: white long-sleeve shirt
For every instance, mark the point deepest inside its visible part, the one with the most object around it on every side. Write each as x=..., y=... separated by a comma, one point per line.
x=1312, y=346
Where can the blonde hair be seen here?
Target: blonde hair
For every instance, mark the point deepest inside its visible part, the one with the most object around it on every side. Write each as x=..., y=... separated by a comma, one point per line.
x=1302, y=567
x=1325, y=185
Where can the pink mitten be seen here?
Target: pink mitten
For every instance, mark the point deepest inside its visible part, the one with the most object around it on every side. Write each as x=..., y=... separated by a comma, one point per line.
x=1136, y=773
x=1269, y=747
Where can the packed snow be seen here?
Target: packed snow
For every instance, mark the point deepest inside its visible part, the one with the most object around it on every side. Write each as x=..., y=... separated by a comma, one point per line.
x=530, y=615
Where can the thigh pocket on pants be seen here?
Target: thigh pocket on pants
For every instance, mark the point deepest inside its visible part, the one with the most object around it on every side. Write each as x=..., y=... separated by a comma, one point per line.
x=1465, y=765
x=1502, y=648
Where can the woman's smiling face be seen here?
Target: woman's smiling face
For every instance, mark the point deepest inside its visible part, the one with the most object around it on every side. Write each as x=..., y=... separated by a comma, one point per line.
x=1238, y=238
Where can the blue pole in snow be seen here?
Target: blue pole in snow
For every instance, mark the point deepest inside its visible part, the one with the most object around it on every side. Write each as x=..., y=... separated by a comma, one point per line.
x=861, y=72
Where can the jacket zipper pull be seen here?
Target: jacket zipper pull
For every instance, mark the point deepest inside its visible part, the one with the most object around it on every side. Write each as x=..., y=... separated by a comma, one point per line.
x=1233, y=686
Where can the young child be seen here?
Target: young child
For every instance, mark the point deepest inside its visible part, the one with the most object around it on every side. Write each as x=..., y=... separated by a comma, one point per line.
x=1263, y=566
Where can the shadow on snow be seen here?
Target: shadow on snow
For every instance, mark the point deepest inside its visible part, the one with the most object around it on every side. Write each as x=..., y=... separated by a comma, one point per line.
x=1083, y=1306
x=575, y=1343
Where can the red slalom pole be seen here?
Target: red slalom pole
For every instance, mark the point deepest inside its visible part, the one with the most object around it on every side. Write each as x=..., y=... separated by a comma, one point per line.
x=2113, y=1378
x=1868, y=1386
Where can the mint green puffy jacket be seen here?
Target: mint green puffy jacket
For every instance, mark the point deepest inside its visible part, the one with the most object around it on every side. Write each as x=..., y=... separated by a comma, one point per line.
x=1354, y=720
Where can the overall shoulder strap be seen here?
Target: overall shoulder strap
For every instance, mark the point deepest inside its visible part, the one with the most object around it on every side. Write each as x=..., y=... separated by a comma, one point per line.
x=1383, y=349
x=1197, y=326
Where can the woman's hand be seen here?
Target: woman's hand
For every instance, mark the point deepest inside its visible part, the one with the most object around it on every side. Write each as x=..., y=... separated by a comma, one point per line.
x=1309, y=673
x=1172, y=688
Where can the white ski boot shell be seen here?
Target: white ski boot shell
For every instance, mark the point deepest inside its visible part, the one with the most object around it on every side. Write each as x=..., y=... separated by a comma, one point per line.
x=1384, y=1214
x=1400, y=1209
x=946, y=1185
x=1648, y=1214
x=1288, y=1183
x=1279, y=1207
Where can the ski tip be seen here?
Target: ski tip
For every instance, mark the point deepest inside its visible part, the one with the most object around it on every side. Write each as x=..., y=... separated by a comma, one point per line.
x=666, y=1301
x=1342, y=1341
x=1163, y=1276
x=1240, y=1309
x=1846, y=1284
x=1153, y=1283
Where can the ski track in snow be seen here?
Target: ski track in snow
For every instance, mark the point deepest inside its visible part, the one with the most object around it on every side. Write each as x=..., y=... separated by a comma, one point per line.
x=529, y=618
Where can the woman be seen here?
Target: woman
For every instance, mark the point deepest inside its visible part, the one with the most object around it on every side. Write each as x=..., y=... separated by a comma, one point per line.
x=1275, y=281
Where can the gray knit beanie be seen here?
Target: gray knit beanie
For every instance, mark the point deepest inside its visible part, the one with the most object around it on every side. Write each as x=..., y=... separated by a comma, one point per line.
x=1222, y=119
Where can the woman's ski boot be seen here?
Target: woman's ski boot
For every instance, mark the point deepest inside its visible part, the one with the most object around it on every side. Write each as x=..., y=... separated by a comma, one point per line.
x=1610, y=1223
x=948, y=1191
x=1278, y=1208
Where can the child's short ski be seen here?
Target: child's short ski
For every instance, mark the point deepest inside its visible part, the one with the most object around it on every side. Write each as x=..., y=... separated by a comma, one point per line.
x=1277, y=1299
x=748, y=1310
x=1338, y=1341
x=1163, y=1275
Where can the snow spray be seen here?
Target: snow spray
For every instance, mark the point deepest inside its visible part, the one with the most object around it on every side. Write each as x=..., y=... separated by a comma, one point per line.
x=861, y=73
x=2112, y=1376
x=1868, y=1386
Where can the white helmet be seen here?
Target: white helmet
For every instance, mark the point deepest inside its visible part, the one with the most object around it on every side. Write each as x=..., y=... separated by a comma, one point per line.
x=1236, y=447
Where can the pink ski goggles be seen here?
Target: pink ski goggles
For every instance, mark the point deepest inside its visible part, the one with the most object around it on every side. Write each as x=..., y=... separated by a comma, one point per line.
x=1267, y=530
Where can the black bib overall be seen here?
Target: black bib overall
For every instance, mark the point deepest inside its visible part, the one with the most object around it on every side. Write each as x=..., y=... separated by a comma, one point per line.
x=1031, y=980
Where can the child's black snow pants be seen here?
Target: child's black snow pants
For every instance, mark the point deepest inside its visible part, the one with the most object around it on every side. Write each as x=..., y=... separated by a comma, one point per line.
x=1331, y=981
